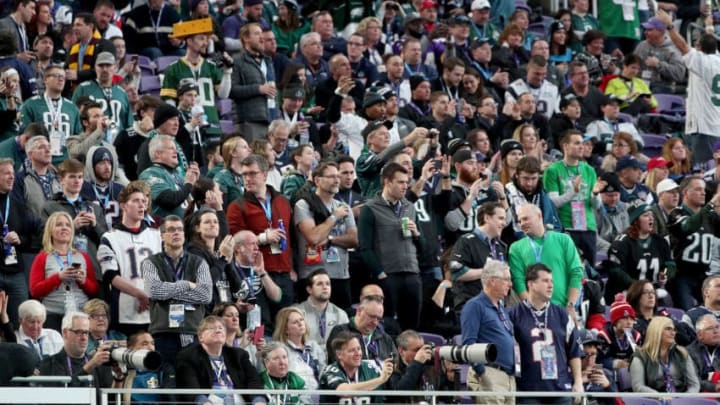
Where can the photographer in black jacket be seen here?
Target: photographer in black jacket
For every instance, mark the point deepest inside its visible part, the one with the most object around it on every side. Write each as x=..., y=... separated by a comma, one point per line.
x=414, y=367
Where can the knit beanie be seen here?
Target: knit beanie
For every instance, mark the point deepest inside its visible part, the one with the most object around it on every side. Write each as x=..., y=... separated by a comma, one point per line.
x=620, y=309
x=163, y=113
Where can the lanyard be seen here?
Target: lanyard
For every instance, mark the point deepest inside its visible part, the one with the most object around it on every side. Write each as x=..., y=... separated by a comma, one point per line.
x=178, y=270
x=447, y=90
x=54, y=114
x=504, y=320
x=541, y=326
x=629, y=87
x=614, y=125
x=60, y=262
x=69, y=364
x=106, y=199
x=156, y=24
x=708, y=357
x=218, y=366
x=23, y=35
x=349, y=199
x=7, y=210
x=323, y=324
x=249, y=281
x=669, y=384
x=267, y=207
x=409, y=70
x=417, y=109
x=537, y=248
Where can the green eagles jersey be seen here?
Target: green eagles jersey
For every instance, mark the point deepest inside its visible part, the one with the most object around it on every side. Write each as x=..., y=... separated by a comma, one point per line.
x=208, y=76
x=619, y=18
x=161, y=179
x=115, y=103
x=333, y=375
x=36, y=109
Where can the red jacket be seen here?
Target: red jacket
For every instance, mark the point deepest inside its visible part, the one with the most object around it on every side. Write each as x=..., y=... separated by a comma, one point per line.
x=246, y=213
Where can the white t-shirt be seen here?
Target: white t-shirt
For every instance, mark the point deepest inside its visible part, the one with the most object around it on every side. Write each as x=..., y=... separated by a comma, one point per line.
x=703, y=101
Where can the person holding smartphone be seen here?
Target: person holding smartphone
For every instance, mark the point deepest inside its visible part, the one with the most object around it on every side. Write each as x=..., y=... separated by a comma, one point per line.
x=595, y=378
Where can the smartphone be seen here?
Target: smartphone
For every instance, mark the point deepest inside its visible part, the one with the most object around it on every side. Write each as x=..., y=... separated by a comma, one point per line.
x=437, y=163
x=258, y=334
x=76, y=266
x=134, y=59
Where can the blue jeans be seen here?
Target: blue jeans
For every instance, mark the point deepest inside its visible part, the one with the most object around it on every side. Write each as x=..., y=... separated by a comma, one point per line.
x=16, y=288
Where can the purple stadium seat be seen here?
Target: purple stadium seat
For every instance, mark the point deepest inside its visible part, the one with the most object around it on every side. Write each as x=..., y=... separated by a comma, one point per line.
x=163, y=62
x=149, y=85
x=671, y=104
x=640, y=401
x=692, y=401
x=227, y=127
x=437, y=340
x=225, y=108
x=622, y=117
x=622, y=375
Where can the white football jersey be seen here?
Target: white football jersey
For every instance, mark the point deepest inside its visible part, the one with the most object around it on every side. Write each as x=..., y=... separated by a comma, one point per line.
x=703, y=101
x=547, y=96
x=123, y=251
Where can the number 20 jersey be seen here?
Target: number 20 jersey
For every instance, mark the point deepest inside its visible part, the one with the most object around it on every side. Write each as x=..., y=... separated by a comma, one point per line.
x=121, y=252
x=692, y=250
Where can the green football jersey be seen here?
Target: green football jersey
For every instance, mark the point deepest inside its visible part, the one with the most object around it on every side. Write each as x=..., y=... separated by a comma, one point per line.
x=208, y=76
x=119, y=110
x=36, y=109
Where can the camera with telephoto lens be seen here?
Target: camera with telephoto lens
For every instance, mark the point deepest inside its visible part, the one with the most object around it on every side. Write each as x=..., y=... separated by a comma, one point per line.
x=219, y=60
x=482, y=353
x=140, y=360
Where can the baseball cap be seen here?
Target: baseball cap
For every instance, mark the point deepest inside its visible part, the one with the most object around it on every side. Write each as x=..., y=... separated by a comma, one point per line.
x=628, y=162
x=658, y=161
x=609, y=99
x=105, y=58
x=567, y=100
x=460, y=19
x=462, y=155
x=666, y=185
x=479, y=5
x=411, y=17
x=428, y=4
x=654, y=24
x=372, y=99
x=294, y=92
x=634, y=212
x=373, y=125
x=613, y=182
x=185, y=86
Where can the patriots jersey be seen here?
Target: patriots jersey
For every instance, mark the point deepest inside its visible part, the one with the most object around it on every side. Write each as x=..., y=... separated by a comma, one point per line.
x=122, y=251
x=533, y=331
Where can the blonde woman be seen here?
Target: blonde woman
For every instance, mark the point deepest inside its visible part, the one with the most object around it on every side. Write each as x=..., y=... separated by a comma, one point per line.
x=61, y=277
x=660, y=365
x=307, y=357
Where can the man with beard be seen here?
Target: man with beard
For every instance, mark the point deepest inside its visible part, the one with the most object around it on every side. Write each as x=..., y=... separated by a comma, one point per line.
x=100, y=168
x=526, y=188
x=209, y=78
x=253, y=85
x=547, y=95
x=120, y=253
x=95, y=126
x=393, y=77
x=112, y=98
x=321, y=315
x=103, y=13
x=412, y=56
x=472, y=250
x=419, y=104
x=82, y=55
x=451, y=80
x=325, y=231
x=470, y=190
x=251, y=13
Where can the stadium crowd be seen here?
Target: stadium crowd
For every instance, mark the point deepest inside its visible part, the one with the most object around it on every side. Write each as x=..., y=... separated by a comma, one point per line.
x=280, y=194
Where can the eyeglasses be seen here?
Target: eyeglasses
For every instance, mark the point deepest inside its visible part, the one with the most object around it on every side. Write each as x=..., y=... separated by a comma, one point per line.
x=80, y=332
x=250, y=174
x=174, y=229
x=56, y=75
x=98, y=316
